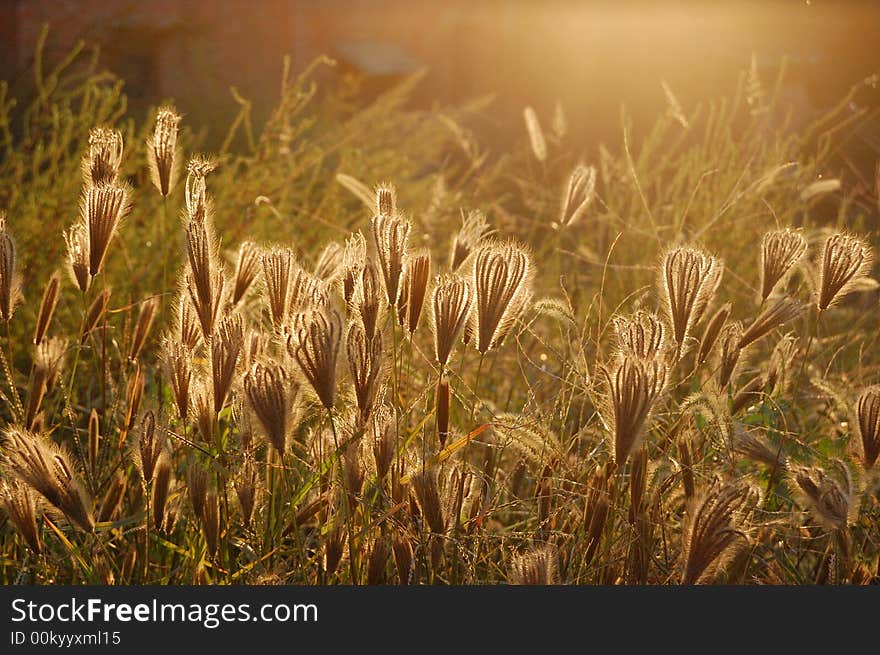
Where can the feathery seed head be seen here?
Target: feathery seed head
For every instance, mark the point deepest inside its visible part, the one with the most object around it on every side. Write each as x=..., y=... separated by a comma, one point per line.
x=226, y=348
x=329, y=265
x=386, y=200
x=367, y=298
x=101, y=165
x=353, y=259
x=272, y=396
x=716, y=530
x=633, y=387
x=730, y=349
x=502, y=278
x=48, y=469
x=391, y=234
x=772, y=317
x=143, y=326
x=414, y=286
x=198, y=169
x=578, y=195
x=315, y=347
x=247, y=267
x=365, y=364
x=149, y=447
x=10, y=285
x=642, y=335
x=780, y=251
x=163, y=154
x=178, y=356
x=845, y=259
x=536, y=134
x=77, y=240
x=19, y=502
x=828, y=498
x=451, y=304
x=47, y=307
x=474, y=228
x=539, y=566
x=426, y=486
x=689, y=280
x=278, y=265
x=712, y=331
x=868, y=411
x=103, y=207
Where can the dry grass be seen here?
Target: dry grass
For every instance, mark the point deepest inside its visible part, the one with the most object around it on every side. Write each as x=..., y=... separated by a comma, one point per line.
x=651, y=365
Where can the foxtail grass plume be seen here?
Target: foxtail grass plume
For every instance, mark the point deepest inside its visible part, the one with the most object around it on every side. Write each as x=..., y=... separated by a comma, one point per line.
x=536, y=134
x=868, y=412
x=367, y=298
x=77, y=240
x=103, y=208
x=503, y=274
x=828, y=498
x=47, y=469
x=689, y=280
x=163, y=155
x=354, y=258
x=772, y=317
x=226, y=349
x=451, y=305
x=187, y=328
x=716, y=530
x=426, y=486
x=101, y=164
x=306, y=291
x=178, y=357
x=162, y=482
x=247, y=267
x=634, y=385
x=143, y=326
x=729, y=341
x=383, y=443
x=391, y=234
x=365, y=365
x=328, y=266
x=272, y=397
x=315, y=347
x=642, y=335
x=386, y=200
x=278, y=264
x=414, y=286
x=48, y=359
x=47, y=308
x=578, y=195
x=473, y=230
x=712, y=331
x=150, y=447
x=780, y=251
x=113, y=497
x=10, y=285
x=94, y=443
x=539, y=566
x=19, y=502
x=779, y=370
x=845, y=259
x=205, y=281
x=197, y=171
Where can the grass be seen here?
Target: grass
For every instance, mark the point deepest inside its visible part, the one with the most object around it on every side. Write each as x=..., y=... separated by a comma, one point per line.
x=166, y=428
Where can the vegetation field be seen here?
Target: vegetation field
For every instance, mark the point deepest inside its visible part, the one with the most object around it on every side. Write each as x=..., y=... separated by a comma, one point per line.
x=354, y=344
